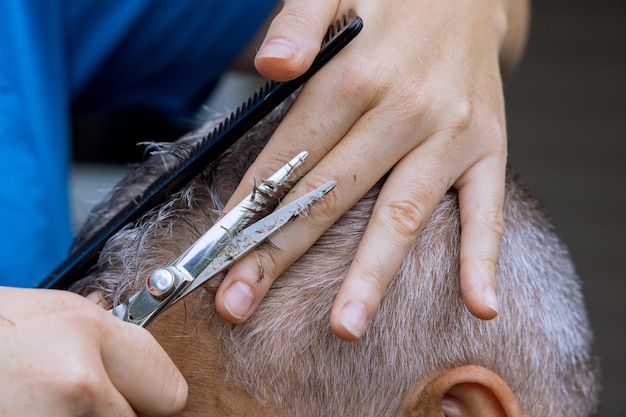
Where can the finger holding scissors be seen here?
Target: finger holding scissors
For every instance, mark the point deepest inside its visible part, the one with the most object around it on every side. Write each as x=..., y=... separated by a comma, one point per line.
x=242, y=229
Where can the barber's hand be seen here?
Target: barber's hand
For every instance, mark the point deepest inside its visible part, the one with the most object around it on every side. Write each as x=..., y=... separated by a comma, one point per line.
x=418, y=94
x=61, y=355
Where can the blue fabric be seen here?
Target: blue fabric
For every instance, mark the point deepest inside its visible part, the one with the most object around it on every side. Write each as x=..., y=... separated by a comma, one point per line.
x=93, y=55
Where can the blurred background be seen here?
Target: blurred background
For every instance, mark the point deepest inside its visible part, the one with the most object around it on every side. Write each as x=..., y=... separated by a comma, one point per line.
x=566, y=110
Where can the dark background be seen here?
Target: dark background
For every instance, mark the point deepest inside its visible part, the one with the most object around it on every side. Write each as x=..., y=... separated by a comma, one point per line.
x=566, y=111
x=566, y=116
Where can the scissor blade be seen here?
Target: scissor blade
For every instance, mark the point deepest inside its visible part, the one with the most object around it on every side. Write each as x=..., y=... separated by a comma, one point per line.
x=254, y=235
x=257, y=204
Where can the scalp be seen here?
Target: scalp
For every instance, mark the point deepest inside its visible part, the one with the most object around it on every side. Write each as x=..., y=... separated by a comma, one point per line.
x=540, y=344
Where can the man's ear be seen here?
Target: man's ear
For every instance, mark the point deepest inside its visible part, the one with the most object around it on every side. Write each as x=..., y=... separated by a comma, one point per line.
x=466, y=391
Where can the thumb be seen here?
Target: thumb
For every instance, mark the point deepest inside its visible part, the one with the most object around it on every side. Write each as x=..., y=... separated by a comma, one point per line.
x=294, y=38
x=142, y=371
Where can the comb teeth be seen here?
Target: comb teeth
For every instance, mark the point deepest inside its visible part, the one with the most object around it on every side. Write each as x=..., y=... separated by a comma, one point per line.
x=236, y=115
x=339, y=25
x=207, y=151
x=273, y=93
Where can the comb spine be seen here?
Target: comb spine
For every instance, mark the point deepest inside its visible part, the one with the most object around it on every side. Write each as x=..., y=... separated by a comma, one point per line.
x=225, y=135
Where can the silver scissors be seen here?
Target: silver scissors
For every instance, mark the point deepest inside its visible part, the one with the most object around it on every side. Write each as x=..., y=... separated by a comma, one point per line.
x=242, y=229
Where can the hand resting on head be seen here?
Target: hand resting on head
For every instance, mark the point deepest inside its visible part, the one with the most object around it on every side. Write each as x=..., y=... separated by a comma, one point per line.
x=424, y=353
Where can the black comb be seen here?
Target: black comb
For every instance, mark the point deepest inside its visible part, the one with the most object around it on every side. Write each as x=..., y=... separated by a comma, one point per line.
x=208, y=150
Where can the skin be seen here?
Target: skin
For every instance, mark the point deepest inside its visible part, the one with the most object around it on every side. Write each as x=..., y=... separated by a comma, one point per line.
x=62, y=355
x=460, y=392
x=418, y=94
x=193, y=347
x=424, y=102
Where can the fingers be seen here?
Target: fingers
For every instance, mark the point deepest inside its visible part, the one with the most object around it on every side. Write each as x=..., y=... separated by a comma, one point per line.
x=411, y=193
x=90, y=393
x=243, y=288
x=294, y=38
x=316, y=122
x=80, y=360
x=481, y=198
x=423, y=107
x=141, y=371
x=405, y=203
x=164, y=398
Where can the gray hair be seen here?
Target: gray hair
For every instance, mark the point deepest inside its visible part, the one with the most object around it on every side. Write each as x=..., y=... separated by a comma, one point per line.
x=540, y=344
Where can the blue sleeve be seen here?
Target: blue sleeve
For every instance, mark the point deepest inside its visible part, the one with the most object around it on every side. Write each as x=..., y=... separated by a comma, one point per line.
x=35, y=232
x=159, y=52
x=96, y=55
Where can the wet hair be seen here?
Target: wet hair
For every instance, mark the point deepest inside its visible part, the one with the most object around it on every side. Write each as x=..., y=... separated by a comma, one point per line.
x=540, y=344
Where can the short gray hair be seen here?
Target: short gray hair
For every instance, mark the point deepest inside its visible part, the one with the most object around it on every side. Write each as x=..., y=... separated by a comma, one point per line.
x=540, y=344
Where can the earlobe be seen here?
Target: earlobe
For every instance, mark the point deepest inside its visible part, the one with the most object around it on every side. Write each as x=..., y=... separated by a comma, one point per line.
x=466, y=391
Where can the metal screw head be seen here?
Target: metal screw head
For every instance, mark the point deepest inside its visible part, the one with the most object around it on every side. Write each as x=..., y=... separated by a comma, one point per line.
x=160, y=282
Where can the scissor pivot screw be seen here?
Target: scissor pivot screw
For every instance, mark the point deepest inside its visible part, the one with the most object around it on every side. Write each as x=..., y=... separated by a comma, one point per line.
x=160, y=282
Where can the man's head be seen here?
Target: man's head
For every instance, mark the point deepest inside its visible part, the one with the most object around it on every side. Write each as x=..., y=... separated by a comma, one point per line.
x=423, y=354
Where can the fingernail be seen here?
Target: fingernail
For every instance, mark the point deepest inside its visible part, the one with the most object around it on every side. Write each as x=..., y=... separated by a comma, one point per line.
x=354, y=317
x=238, y=300
x=276, y=48
x=490, y=298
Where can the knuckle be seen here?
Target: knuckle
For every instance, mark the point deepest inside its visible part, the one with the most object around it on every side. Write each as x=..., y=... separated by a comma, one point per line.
x=491, y=224
x=372, y=280
x=365, y=80
x=406, y=217
x=493, y=135
x=487, y=263
x=413, y=110
x=80, y=385
x=492, y=218
x=495, y=223
x=460, y=115
x=325, y=207
x=299, y=19
x=363, y=85
x=77, y=310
